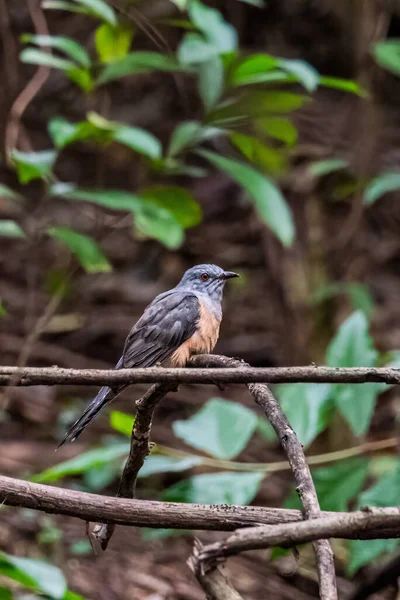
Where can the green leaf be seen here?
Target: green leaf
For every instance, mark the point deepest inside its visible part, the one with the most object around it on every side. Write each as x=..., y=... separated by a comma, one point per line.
x=269, y=202
x=5, y=594
x=257, y=104
x=324, y=167
x=353, y=347
x=268, y=159
x=3, y=312
x=195, y=49
x=9, y=228
x=216, y=488
x=138, y=140
x=98, y=477
x=308, y=408
x=387, y=55
x=168, y=464
x=336, y=485
x=138, y=62
x=190, y=133
x=39, y=57
x=122, y=422
x=85, y=249
x=365, y=552
x=279, y=128
x=345, y=85
x=34, y=574
x=215, y=29
x=211, y=81
x=6, y=192
x=33, y=165
x=381, y=185
x=113, y=43
x=83, y=462
x=159, y=223
x=358, y=294
x=113, y=199
x=65, y=44
x=265, y=430
x=177, y=200
x=63, y=5
x=258, y=3
x=82, y=78
x=255, y=64
x=221, y=428
x=99, y=9
x=304, y=73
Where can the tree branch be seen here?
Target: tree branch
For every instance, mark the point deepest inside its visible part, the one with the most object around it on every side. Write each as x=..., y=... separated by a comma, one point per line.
x=139, y=450
x=345, y=525
x=263, y=396
x=197, y=374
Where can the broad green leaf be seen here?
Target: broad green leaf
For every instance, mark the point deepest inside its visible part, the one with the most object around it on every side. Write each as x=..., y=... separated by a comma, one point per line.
x=324, y=167
x=195, y=49
x=39, y=57
x=138, y=62
x=9, y=228
x=387, y=55
x=270, y=204
x=83, y=462
x=113, y=199
x=337, y=485
x=177, y=200
x=365, y=552
x=279, y=128
x=64, y=132
x=85, y=249
x=34, y=574
x=98, y=477
x=168, y=464
x=33, y=165
x=304, y=72
x=210, y=81
x=269, y=159
x=159, y=223
x=257, y=104
x=345, y=85
x=221, y=428
x=308, y=408
x=138, y=140
x=272, y=76
x=190, y=133
x=353, y=347
x=216, y=488
x=6, y=192
x=255, y=64
x=99, y=9
x=113, y=43
x=66, y=45
x=381, y=185
x=213, y=26
x=265, y=430
x=122, y=422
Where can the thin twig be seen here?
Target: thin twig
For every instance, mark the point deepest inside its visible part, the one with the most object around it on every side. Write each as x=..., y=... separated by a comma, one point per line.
x=200, y=374
x=139, y=450
x=145, y=513
x=291, y=534
x=263, y=396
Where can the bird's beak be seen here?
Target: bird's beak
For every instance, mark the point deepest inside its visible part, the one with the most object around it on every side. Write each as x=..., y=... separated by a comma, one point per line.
x=229, y=275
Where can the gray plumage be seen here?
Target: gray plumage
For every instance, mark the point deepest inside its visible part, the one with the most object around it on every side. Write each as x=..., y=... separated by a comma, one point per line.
x=169, y=321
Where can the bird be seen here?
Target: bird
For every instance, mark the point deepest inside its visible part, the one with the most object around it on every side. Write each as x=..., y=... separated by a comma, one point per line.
x=176, y=325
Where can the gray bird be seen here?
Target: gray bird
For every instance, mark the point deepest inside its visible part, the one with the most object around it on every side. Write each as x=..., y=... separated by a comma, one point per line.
x=177, y=325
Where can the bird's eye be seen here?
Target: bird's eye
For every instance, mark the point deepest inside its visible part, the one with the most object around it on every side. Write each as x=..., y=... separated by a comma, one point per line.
x=204, y=277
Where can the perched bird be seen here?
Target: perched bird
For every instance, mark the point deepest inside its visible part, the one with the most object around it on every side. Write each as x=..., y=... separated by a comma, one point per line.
x=178, y=324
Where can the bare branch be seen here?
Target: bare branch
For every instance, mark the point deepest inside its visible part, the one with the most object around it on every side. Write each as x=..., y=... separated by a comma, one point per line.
x=197, y=374
x=345, y=525
x=263, y=396
x=139, y=450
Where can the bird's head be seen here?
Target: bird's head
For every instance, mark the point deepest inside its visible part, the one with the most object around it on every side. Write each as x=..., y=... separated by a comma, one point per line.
x=207, y=279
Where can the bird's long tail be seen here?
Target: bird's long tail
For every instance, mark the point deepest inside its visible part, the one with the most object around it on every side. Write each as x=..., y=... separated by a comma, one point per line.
x=104, y=397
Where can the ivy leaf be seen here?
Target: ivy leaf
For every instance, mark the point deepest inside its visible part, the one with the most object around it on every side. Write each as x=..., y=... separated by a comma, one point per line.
x=215, y=29
x=353, y=347
x=269, y=202
x=11, y=229
x=308, y=408
x=216, y=488
x=33, y=165
x=113, y=43
x=221, y=428
x=381, y=185
x=74, y=50
x=138, y=62
x=85, y=249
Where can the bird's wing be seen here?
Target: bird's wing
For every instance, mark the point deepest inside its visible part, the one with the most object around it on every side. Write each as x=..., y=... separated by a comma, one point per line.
x=167, y=322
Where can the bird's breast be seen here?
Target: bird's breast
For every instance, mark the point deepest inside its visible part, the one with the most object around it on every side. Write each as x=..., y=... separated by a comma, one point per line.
x=203, y=340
